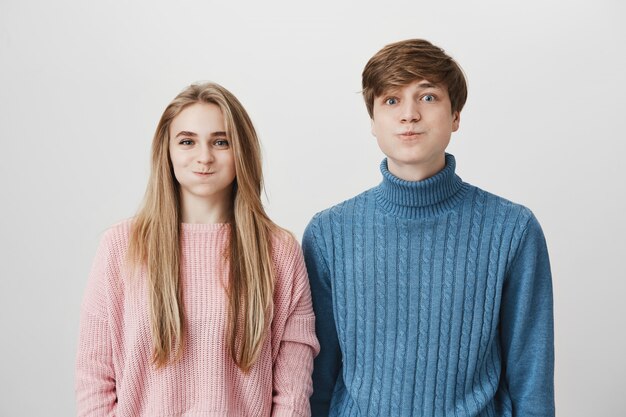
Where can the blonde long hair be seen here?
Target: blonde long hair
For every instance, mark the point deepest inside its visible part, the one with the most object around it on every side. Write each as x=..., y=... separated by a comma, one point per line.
x=155, y=237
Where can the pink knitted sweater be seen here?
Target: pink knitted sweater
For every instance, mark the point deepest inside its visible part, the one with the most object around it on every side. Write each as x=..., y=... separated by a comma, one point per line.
x=114, y=374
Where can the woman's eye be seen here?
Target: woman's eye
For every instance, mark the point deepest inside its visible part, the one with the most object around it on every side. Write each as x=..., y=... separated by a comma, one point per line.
x=186, y=142
x=222, y=143
x=428, y=98
x=391, y=101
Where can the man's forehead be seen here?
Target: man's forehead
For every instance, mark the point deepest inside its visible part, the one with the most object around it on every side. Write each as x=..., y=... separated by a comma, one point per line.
x=420, y=84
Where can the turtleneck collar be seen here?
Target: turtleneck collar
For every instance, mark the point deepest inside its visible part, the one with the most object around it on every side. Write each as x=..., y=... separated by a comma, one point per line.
x=418, y=199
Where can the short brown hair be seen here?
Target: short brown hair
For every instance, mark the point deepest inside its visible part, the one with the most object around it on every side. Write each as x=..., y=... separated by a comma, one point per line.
x=403, y=62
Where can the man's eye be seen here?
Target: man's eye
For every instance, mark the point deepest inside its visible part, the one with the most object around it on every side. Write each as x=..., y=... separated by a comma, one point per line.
x=428, y=98
x=391, y=101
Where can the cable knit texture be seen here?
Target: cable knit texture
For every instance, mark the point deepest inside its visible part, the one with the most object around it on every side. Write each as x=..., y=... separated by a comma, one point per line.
x=432, y=298
x=114, y=374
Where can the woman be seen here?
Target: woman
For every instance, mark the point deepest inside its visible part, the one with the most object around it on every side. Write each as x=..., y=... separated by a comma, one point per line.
x=200, y=305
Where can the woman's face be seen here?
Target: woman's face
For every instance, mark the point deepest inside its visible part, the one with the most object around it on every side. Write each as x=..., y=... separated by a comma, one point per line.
x=201, y=153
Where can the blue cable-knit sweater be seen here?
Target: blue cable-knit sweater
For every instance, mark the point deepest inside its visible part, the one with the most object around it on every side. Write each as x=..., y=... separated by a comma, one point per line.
x=432, y=298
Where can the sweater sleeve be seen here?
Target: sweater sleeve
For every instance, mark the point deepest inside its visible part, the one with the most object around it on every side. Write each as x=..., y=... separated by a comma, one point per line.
x=298, y=345
x=527, y=327
x=95, y=378
x=327, y=365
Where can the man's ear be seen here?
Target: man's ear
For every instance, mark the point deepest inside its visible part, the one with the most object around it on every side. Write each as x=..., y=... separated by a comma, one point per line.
x=456, y=120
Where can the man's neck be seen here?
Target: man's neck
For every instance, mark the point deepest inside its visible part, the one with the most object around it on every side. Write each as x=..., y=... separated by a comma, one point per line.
x=416, y=172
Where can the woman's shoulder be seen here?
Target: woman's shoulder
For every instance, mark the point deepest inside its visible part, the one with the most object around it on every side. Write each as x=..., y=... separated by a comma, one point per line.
x=119, y=230
x=284, y=242
x=108, y=268
x=116, y=237
x=287, y=256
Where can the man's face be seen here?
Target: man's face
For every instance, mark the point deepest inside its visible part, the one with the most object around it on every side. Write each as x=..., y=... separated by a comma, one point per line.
x=413, y=125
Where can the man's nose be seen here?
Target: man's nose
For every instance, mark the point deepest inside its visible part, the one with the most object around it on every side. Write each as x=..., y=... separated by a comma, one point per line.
x=410, y=112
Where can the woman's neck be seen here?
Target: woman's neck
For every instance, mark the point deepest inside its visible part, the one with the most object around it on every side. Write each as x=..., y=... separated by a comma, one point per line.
x=205, y=210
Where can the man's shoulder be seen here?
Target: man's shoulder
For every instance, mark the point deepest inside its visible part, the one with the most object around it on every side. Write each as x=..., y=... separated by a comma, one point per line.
x=335, y=212
x=329, y=222
x=517, y=212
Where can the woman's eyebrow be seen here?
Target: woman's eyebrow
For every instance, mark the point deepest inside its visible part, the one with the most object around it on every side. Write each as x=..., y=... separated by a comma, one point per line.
x=186, y=133
x=193, y=134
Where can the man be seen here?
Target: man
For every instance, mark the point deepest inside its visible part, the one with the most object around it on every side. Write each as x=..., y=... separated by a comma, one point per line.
x=432, y=297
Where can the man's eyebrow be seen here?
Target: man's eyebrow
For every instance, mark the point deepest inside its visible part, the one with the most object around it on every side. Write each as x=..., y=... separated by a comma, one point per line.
x=426, y=84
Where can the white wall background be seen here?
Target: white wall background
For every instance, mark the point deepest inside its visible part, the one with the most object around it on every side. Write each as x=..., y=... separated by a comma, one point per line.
x=82, y=85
